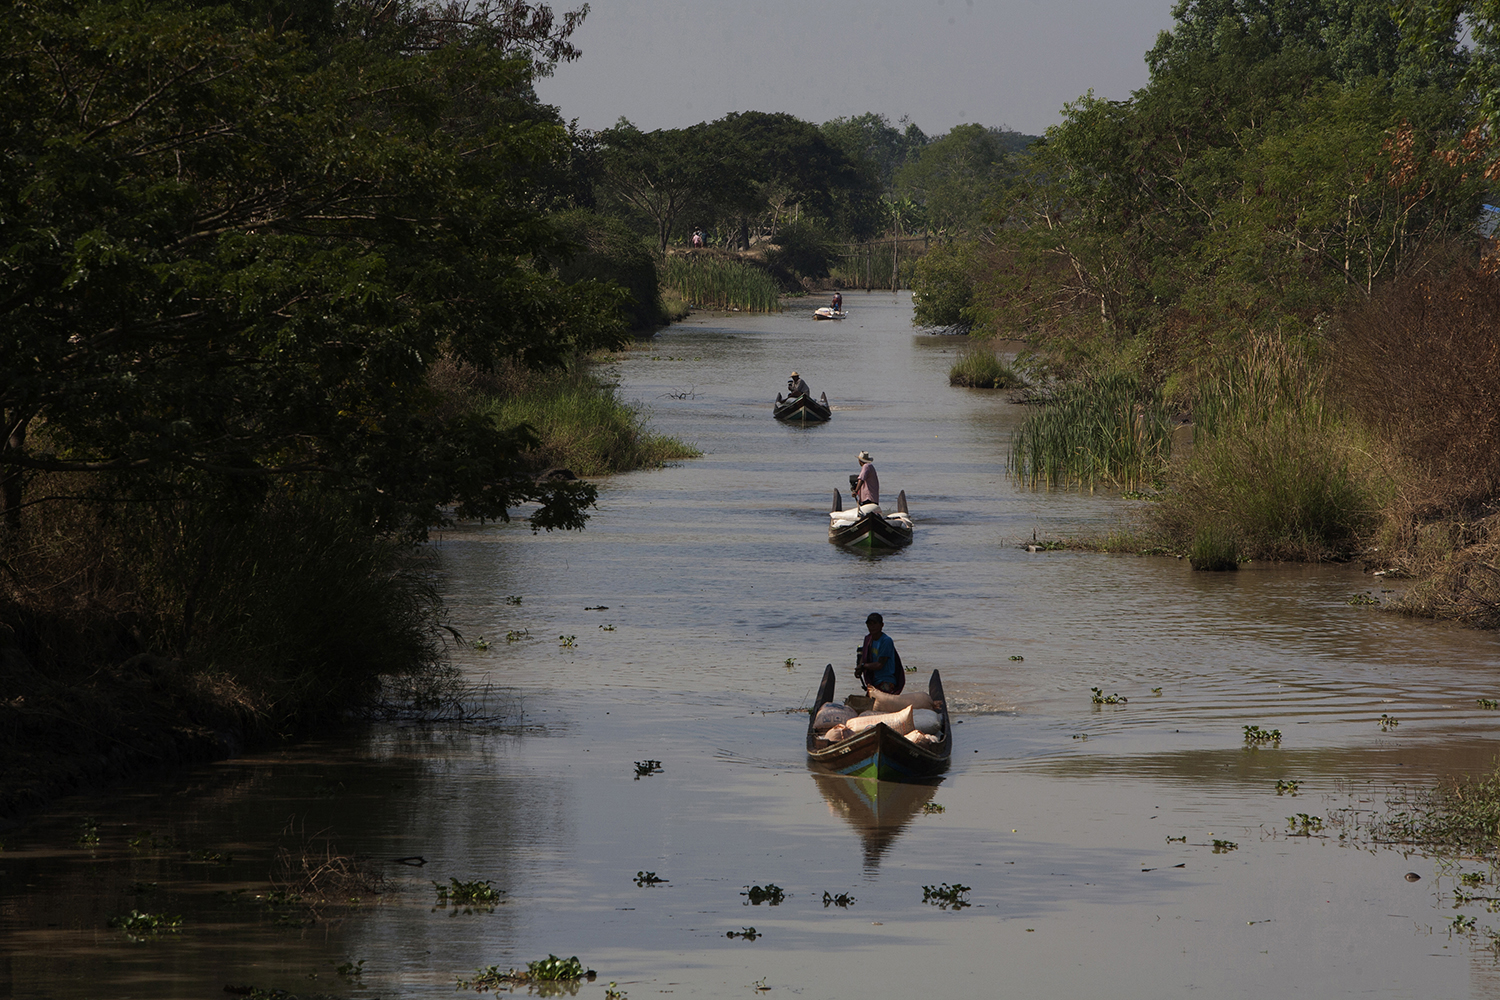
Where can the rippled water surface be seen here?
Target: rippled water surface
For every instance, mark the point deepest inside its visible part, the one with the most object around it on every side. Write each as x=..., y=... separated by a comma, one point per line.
x=702, y=603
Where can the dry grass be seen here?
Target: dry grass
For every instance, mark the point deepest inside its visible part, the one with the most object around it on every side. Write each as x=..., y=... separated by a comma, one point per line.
x=315, y=870
x=1420, y=363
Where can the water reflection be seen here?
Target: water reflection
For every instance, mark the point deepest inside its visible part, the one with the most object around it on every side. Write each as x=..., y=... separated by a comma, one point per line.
x=877, y=810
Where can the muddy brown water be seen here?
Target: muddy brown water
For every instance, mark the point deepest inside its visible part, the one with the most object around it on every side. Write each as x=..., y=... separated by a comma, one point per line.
x=1085, y=834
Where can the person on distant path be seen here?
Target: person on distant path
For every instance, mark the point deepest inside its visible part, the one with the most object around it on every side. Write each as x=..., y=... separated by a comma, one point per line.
x=697, y=237
x=867, y=483
x=879, y=665
x=838, y=301
x=796, y=387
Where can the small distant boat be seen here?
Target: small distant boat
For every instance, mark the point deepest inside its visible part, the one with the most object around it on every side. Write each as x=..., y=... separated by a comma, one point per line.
x=880, y=752
x=802, y=409
x=828, y=312
x=867, y=526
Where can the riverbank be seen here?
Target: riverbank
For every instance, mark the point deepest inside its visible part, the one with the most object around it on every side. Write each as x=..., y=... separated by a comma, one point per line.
x=154, y=634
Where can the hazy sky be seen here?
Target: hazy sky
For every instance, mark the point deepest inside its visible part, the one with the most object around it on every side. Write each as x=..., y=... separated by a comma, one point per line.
x=671, y=63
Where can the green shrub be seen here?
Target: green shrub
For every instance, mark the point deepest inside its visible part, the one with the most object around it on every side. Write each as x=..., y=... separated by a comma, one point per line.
x=802, y=249
x=943, y=287
x=607, y=250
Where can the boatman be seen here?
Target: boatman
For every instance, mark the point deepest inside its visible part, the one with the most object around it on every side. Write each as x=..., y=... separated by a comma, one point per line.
x=838, y=301
x=867, y=483
x=796, y=387
x=879, y=665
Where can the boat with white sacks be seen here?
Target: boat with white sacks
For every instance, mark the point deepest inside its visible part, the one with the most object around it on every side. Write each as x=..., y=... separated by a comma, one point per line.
x=867, y=526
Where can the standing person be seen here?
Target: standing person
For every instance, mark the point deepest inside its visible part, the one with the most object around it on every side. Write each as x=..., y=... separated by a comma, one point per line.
x=879, y=665
x=796, y=387
x=838, y=301
x=867, y=483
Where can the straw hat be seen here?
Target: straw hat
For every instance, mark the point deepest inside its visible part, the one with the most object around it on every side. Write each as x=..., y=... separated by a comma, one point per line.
x=795, y=375
x=864, y=457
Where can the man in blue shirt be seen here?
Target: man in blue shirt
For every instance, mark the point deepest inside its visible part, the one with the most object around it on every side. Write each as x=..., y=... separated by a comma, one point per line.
x=879, y=665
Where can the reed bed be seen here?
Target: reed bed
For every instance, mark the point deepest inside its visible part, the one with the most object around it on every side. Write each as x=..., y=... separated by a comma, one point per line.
x=1109, y=432
x=714, y=283
x=586, y=428
x=1273, y=464
x=981, y=368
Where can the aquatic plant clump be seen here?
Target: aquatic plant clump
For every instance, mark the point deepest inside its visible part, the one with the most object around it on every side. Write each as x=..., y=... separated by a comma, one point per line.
x=1108, y=432
x=981, y=368
x=584, y=427
x=1459, y=816
x=711, y=283
x=483, y=892
x=140, y=925
x=546, y=971
x=947, y=897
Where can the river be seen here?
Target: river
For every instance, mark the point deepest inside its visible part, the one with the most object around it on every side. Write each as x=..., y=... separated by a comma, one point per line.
x=1136, y=849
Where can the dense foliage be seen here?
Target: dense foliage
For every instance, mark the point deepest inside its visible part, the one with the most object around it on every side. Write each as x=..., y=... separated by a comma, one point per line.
x=230, y=253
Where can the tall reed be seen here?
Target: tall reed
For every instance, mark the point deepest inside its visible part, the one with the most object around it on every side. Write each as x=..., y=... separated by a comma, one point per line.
x=1109, y=431
x=980, y=368
x=715, y=283
x=1273, y=463
x=585, y=427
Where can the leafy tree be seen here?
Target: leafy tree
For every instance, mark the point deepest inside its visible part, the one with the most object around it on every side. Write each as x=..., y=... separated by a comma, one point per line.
x=230, y=254
x=954, y=175
x=663, y=174
x=871, y=140
x=1360, y=39
x=605, y=249
x=790, y=164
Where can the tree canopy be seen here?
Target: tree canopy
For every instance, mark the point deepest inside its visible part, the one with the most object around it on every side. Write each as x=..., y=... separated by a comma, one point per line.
x=231, y=252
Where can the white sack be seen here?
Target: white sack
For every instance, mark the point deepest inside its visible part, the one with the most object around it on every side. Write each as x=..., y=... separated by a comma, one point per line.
x=927, y=721
x=900, y=721
x=896, y=702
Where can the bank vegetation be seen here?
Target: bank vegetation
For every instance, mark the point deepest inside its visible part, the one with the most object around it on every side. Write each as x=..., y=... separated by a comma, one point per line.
x=281, y=288
x=1262, y=294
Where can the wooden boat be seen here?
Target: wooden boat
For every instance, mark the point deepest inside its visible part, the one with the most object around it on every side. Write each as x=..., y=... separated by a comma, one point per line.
x=868, y=527
x=802, y=409
x=828, y=312
x=880, y=752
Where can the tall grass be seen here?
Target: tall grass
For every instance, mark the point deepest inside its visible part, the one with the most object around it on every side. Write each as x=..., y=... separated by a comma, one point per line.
x=712, y=282
x=585, y=428
x=1273, y=464
x=980, y=368
x=1109, y=431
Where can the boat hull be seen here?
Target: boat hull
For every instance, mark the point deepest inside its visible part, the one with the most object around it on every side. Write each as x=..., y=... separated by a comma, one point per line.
x=827, y=313
x=802, y=410
x=871, y=532
x=880, y=753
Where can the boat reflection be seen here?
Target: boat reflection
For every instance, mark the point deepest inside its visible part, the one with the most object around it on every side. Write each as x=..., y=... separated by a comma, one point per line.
x=878, y=810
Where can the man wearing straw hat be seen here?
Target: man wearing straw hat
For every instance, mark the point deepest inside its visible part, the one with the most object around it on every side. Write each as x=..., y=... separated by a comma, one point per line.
x=796, y=387
x=866, y=485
